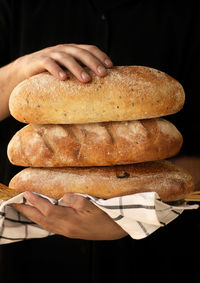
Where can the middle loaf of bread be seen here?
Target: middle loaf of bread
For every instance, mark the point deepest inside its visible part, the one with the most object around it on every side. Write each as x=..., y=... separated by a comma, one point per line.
x=95, y=144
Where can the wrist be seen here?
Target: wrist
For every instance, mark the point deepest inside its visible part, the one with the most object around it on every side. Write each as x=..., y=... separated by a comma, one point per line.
x=17, y=71
x=10, y=76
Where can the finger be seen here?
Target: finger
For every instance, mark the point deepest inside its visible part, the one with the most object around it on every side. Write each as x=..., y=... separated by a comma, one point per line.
x=30, y=212
x=102, y=56
x=42, y=204
x=87, y=58
x=53, y=68
x=79, y=203
x=72, y=65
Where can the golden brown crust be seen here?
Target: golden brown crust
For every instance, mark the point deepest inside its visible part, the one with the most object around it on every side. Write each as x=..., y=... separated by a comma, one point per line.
x=98, y=144
x=126, y=93
x=169, y=181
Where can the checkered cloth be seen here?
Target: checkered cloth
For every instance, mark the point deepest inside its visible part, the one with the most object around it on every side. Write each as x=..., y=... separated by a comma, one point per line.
x=139, y=215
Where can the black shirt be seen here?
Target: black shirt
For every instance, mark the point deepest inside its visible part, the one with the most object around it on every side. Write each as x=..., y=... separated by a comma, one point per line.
x=160, y=34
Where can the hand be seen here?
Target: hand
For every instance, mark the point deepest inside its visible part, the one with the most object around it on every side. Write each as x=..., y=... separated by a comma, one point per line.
x=55, y=60
x=65, y=56
x=82, y=219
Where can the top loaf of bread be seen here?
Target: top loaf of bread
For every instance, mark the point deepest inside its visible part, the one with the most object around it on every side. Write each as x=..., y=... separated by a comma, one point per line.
x=125, y=93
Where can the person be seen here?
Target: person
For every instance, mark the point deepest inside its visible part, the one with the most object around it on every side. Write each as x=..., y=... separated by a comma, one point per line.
x=59, y=35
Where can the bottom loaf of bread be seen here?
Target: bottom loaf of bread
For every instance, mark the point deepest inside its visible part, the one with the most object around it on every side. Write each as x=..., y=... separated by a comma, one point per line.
x=169, y=181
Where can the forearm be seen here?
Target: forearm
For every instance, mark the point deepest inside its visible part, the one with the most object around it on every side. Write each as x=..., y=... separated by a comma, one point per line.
x=52, y=59
x=9, y=78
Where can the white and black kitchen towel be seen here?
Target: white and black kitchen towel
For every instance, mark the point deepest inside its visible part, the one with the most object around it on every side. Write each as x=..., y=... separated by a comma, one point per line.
x=139, y=215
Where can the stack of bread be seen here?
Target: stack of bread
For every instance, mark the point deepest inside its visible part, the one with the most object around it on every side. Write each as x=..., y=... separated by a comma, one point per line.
x=104, y=138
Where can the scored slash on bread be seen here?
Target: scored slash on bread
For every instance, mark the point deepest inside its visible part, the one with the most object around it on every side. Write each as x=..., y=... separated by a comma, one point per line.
x=110, y=120
x=96, y=144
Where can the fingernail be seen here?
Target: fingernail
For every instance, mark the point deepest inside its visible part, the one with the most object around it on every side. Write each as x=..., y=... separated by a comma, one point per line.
x=28, y=195
x=108, y=63
x=85, y=76
x=101, y=70
x=62, y=75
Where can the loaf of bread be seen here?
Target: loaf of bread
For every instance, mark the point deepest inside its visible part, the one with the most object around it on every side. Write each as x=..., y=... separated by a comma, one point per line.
x=169, y=181
x=97, y=144
x=126, y=93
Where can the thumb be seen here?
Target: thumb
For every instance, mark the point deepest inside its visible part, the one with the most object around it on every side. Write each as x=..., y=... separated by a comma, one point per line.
x=79, y=203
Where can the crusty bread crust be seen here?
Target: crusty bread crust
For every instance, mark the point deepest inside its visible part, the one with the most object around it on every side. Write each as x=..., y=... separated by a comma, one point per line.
x=97, y=144
x=169, y=181
x=126, y=93
x=133, y=97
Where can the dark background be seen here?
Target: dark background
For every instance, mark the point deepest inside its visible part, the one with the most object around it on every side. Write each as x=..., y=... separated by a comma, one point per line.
x=158, y=34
